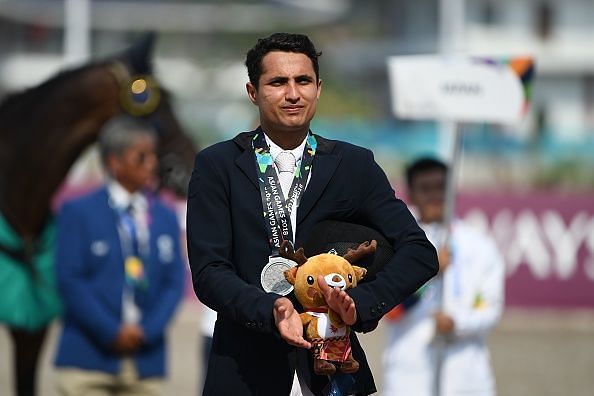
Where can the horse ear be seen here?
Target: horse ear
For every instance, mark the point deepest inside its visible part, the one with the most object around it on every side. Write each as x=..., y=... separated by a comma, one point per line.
x=140, y=54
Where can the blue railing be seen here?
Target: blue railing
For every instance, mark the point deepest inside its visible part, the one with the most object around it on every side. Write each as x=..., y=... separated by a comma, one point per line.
x=410, y=139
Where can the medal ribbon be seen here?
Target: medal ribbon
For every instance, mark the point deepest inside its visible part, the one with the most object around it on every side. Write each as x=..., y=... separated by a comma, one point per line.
x=277, y=210
x=133, y=265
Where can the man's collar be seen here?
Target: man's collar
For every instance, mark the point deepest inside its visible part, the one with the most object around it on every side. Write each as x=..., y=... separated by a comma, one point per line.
x=122, y=199
x=275, y=149
x=244, y=140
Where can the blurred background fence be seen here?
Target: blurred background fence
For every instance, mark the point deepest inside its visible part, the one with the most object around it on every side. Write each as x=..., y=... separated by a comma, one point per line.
x=201, y=49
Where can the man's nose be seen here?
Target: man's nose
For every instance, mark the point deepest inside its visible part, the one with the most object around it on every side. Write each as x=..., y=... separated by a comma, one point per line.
x=292, y=93
x=151, y=162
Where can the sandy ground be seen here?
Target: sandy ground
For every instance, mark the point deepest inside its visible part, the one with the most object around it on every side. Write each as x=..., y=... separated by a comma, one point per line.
x=534, y=353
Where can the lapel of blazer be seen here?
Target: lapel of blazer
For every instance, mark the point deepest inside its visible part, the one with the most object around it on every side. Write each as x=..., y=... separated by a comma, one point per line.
x=155, y=231
x=324, y=165
x=104, y=210
x=246, y=161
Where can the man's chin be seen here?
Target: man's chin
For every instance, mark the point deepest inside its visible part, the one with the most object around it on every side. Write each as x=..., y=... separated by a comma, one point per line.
x=296, y=127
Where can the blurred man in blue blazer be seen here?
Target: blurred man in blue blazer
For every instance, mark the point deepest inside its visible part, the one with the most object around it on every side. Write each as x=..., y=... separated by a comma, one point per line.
x=276, y=183
x=120, y=273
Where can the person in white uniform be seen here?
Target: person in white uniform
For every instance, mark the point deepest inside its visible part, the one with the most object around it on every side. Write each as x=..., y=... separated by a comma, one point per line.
x=437, y=339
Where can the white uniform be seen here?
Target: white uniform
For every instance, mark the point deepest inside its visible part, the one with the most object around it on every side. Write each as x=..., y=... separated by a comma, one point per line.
x=473, y=297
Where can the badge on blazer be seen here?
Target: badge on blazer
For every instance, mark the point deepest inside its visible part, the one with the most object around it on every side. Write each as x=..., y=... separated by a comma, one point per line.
x=165, y=248
x=272, y=277
x=99, y=248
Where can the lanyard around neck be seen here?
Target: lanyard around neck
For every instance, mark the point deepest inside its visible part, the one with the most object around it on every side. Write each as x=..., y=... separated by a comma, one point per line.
x=277, y=209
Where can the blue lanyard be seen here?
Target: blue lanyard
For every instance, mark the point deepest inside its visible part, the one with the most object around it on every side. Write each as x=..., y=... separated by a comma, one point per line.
x=128, y=224
x=277, y=210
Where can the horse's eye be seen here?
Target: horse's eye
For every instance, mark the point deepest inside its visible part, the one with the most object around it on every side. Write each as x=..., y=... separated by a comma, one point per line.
x=350, y=278
x=310, y=280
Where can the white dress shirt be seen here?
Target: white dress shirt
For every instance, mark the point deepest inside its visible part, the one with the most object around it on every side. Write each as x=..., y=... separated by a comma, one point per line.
x=121, y=199
x=298, y=154
x=299, y=388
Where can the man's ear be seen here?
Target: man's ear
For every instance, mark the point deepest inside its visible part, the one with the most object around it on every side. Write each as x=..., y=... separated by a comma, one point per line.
x=112, y=163
x=251, y=91
x=360, y=272
x=319, y=89
x=291, y=275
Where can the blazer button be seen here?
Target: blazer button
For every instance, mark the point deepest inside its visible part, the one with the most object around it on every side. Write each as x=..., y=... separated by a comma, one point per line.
x=261, y=324
x=383, y=304
x=373, y=311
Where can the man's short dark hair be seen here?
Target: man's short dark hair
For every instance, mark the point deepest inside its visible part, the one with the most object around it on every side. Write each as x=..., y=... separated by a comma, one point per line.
x=423, y=165
x=285, y=42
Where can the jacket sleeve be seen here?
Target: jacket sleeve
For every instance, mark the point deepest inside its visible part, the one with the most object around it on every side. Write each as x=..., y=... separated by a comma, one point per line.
x=485, y=311
x=210, y=239
x=171, y=287
x=414, y=261
x=80, y=302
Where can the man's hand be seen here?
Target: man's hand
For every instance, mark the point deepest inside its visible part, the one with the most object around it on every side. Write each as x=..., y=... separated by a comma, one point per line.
x=338, y=301
x=444, y=324
x=288, y=323
x=129, y=339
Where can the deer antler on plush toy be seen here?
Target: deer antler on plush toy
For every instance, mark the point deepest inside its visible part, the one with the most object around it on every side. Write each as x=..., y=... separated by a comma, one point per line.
x=323, y=327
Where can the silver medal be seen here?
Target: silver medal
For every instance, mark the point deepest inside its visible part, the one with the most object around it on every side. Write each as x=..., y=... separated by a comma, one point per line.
x=273, y=277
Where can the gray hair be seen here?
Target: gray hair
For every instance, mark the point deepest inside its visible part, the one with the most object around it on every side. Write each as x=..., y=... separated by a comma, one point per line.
x=120, y=132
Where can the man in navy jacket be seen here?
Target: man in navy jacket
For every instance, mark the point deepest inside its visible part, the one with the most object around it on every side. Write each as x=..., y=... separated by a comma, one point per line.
x=234, y=227
x=120, y=273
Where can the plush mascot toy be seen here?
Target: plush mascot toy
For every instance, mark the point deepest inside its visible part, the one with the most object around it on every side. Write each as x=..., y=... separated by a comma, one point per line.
x=323, y=327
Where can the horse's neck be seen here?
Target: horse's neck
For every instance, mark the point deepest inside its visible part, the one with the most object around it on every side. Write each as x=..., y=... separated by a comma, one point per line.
x=55, y=139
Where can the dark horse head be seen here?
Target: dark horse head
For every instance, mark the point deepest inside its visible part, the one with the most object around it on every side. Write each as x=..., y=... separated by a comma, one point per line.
x=141, y=95
x=44, y=129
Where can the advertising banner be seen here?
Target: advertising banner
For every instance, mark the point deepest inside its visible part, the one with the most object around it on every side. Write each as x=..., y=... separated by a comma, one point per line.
x=547, y=241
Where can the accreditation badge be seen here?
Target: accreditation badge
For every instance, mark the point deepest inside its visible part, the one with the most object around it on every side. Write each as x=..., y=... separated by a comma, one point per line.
x=135, y=272
x=273, y=276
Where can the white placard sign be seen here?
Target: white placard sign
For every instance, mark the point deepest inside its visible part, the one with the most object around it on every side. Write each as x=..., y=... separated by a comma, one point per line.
x=462, y=89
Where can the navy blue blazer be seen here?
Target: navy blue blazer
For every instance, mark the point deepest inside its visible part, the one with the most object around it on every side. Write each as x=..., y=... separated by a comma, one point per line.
x=90, y=273
x=228, y=247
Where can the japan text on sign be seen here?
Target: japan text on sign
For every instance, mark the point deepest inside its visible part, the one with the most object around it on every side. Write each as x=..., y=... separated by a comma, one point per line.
x=465, y=89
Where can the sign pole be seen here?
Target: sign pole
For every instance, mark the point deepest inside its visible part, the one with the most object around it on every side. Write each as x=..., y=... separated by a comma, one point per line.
x=455, y=158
